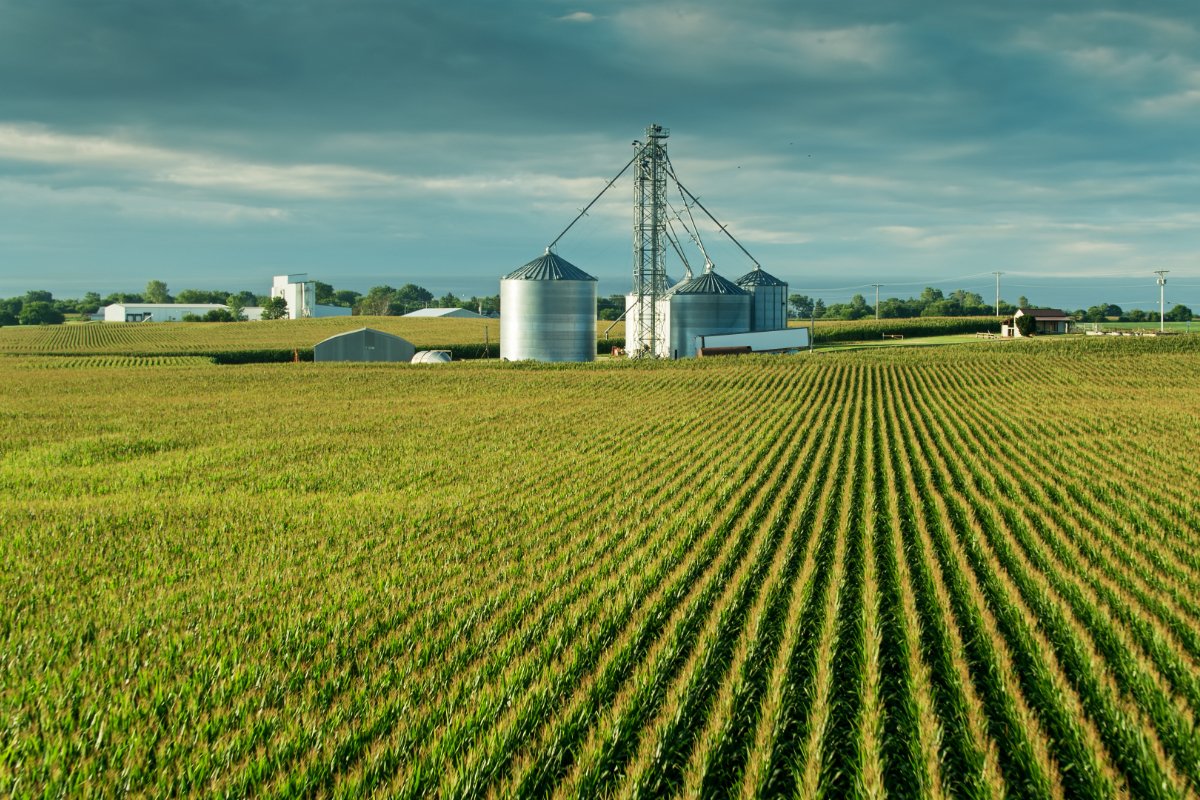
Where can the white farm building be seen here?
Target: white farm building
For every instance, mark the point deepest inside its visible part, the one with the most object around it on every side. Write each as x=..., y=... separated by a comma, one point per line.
x=444, y=313
x=158, y=312
x=297, y=291
x=301, y=297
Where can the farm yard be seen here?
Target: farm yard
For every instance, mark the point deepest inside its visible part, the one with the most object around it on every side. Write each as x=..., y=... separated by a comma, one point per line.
x=968, y=571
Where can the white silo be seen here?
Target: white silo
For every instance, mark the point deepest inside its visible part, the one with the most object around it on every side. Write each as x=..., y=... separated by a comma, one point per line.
x=548, y=312
x=768, y=299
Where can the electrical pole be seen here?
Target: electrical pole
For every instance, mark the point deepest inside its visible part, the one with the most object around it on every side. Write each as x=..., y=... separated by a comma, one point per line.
x=877, y=285
x=997, y=274
x=1162, y=283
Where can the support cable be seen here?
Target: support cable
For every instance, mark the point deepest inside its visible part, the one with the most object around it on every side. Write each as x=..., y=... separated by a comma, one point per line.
x=588, y=207
x=716, y=222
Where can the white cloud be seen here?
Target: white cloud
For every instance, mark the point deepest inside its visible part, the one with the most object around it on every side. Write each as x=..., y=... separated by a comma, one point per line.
x=137, y=204
x=578, y=16
x=157, y=164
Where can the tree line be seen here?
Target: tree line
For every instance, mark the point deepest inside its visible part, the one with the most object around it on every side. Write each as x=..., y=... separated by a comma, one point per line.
x=40, y=307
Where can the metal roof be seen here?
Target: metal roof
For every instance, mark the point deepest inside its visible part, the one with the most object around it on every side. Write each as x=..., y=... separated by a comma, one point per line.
x=443, y=312
x=708, y=283
x=1044, y=313
x=759, y=277
x=549, y=267
x=357, y=331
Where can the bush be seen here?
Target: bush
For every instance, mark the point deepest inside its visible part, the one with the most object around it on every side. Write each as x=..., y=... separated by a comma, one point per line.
x=1025, y=325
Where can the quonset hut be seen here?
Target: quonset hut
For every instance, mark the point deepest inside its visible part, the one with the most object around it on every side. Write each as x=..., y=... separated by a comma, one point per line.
x=548, y=312
x=768, y=299
x=364, y=344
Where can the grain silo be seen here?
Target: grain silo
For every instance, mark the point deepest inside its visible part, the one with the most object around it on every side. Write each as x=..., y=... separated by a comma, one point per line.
x=548, y=312
x=768, y=299
x=708, y=304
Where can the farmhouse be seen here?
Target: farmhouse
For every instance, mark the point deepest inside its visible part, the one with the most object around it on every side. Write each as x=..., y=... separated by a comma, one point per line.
x=1045, y=321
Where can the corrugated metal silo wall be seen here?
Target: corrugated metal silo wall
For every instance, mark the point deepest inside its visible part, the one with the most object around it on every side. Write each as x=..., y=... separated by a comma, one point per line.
x=695, y=314
x=768, y=307
x=548, y=320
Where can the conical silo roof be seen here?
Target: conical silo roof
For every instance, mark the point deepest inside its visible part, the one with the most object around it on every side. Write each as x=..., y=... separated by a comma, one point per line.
x=549, y=267
x=708, y=283
x=759, y=277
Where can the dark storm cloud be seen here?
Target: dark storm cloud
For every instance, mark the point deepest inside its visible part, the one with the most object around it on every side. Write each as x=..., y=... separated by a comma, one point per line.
x=934, y=137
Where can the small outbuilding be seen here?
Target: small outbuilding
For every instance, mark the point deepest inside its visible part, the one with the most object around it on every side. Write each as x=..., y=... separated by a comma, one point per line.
x=444, y=313
x=433, y=357
x=364, y=344
x=1045, y=321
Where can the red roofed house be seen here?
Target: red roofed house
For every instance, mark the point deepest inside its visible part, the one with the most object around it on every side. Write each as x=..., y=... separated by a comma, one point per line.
x=1045, y=320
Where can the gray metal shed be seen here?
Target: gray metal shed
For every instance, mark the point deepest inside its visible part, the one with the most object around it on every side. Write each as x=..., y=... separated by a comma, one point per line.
x=364, y=344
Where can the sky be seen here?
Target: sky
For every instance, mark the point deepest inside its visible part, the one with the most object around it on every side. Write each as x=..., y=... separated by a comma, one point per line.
x=214, y=143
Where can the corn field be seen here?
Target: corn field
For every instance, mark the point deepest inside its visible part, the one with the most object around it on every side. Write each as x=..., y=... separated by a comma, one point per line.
x=953, y=572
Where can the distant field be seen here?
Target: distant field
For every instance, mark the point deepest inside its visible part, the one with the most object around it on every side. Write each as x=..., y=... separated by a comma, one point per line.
x=915, y=572
x=871, y=329
x=183, y=337
x=1177, y=327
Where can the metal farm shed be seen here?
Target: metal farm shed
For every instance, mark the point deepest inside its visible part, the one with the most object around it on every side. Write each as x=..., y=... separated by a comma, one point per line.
x=364, y=344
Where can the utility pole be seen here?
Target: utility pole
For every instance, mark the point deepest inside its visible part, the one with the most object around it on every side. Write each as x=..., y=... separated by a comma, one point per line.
x=997, y=274
x=877, y=285
x=1162, y=283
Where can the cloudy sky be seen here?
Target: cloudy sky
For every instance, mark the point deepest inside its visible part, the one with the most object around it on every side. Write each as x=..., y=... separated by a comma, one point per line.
x=214, y=143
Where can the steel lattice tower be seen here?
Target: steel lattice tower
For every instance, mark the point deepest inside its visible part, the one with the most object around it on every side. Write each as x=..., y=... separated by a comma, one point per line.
x=649, y=241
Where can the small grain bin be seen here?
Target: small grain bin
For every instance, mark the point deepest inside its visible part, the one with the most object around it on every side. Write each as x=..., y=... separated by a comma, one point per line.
x=548, y=312
x=433, y=357
x=705, y=305
x=768, y=299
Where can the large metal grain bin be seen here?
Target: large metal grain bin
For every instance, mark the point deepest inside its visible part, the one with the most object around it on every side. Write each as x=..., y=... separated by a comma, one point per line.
x=768, y=300
x=364, y=344
x=548, y=312
x=704, y=305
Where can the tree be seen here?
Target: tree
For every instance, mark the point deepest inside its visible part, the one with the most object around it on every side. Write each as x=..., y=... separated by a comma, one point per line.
x=90, y=303
x=275, y=308
x=190, y=296
x=156, y=292
x=931, y=295
x=40, y=312
x=1026, y=325
x=7, y=318
x=1022, y=302
x=377, y=302
x=448, y=300
x=38, y=296
x=818, y=308
x=411, y=293
x=235, y=304
x=1179, y=313
x=220, y=315
x=801, y=305
x=346, y=298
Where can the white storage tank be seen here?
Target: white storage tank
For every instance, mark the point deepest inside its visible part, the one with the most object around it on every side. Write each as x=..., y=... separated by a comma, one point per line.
x=548, y=312
x=704, y=305
x=768, y=300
